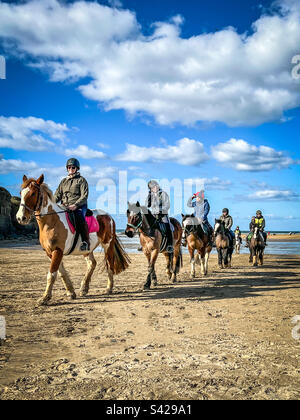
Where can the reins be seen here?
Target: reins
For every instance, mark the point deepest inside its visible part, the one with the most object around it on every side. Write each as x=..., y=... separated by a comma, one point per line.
x=39, y=204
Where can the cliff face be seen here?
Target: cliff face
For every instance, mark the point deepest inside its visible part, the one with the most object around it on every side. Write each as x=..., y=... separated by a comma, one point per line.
x=9, y=227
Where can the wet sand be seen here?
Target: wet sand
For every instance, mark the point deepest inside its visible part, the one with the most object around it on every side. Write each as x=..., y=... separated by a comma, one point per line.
x=226, y=336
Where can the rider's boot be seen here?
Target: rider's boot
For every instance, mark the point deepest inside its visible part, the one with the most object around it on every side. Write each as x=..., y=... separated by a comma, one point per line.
x=169, y=233
x=85, y=246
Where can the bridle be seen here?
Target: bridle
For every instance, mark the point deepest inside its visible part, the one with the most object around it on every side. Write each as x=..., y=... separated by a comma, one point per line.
x=39, y=205
x=138, y=225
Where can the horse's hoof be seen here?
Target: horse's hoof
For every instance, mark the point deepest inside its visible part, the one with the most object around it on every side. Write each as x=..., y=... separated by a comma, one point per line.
x=146, y=287
x=43, y=301
x=108, y=292
x=72, y=296
x=155, y=283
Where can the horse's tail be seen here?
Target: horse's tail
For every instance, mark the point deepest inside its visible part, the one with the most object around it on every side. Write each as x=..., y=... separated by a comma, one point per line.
x=121, y=259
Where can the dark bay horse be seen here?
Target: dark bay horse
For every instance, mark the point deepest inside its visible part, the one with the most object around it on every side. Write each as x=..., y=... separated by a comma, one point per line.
x=223, y=244
x=257, y=247
x=140, y=219
x=56, y=238
x=197, y=240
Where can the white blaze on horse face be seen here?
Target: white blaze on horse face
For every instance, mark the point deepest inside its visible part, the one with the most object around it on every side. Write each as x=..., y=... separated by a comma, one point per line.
x=217, y=227
x=21, y=212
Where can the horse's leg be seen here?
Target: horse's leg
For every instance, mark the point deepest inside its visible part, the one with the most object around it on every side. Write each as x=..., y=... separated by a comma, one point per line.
x=151, y=269
x=192, y=261
x=229, y=255
x=255, y=257
x=56, y=258
x=202, y=261
x=220, y=260
x=261, y=257
x=168, y=266
x=175, y=267
x=91, y=265
x=67, y=281
x=206, y=263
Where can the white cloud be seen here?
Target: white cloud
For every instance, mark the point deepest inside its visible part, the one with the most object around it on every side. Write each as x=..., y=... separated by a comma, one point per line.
x=185, y=152
x=85, y=152
x=31, y=134
x=242, y=156
x=274, y=195
x=238, y=79
x=15, y=165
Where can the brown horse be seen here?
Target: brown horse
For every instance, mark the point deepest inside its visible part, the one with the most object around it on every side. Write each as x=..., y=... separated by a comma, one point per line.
x=140, y=219
x=223, y=245
x=57, y=239
x=257, y=247
x=197, y=240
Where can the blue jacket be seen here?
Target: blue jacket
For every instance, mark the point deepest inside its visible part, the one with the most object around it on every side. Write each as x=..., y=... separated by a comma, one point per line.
x=201, y=208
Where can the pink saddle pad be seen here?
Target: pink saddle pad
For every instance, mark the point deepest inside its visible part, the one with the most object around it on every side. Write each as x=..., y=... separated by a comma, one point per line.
x=91, y=221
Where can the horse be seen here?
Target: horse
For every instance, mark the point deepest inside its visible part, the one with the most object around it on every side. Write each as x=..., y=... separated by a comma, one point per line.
x=237, y=243
x=57, y=240
x=197, y=240
x=223, y=245
x=257, y=247
x=141, y=220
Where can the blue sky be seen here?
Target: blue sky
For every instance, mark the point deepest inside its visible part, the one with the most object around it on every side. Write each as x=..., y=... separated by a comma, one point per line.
x=187, y=90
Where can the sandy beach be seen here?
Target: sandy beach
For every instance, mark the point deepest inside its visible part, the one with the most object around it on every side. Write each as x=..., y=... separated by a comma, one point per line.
x=226, y=336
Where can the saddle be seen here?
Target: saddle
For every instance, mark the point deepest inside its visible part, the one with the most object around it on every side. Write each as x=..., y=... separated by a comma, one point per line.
x=92, y=222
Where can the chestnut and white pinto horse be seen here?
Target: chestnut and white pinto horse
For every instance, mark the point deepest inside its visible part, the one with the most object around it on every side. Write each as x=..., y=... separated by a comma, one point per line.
x=197, y=241
x=56, y=238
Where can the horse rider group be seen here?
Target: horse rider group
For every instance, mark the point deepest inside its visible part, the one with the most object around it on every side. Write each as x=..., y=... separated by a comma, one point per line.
x=73, y=191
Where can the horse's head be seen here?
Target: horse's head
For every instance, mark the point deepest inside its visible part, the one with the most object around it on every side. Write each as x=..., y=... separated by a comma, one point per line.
x=187, y=219
x=30, y=199
x=219, y=225
x=134, y=219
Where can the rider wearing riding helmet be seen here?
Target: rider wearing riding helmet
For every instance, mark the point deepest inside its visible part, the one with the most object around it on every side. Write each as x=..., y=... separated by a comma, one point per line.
x=261, y=223
x=202, y=208
x=238, y=233
x=227, y=219
x=73, y=193
x=159, y=203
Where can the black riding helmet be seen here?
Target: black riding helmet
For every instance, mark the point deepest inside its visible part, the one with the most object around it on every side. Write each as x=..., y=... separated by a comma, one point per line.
x=73, y=162
x=258, y=213
x=225, y=211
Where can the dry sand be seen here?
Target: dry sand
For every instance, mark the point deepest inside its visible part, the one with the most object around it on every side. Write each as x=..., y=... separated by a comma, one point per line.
x=228, y=336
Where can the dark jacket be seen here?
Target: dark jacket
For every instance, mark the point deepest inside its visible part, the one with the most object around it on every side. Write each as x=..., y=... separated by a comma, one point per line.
x=72, y=190
x=228, y=221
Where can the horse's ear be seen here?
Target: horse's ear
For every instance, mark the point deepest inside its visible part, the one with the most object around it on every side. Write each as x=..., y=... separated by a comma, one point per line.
x=138, y=204
x=182, y=215
x=40, y=180
x=24, y=178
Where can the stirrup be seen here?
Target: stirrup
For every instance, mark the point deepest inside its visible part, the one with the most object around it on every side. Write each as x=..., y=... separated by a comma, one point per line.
x=84, y=246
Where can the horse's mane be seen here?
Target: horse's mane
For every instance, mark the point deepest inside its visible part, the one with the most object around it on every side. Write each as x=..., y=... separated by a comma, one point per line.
x=44, y=187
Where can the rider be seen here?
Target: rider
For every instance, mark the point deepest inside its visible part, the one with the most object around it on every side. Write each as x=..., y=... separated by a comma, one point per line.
x=238, y=233
x=73, y=192
x=260, y=221
x=202, y=208
x=159, y=203
x=227, y=219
